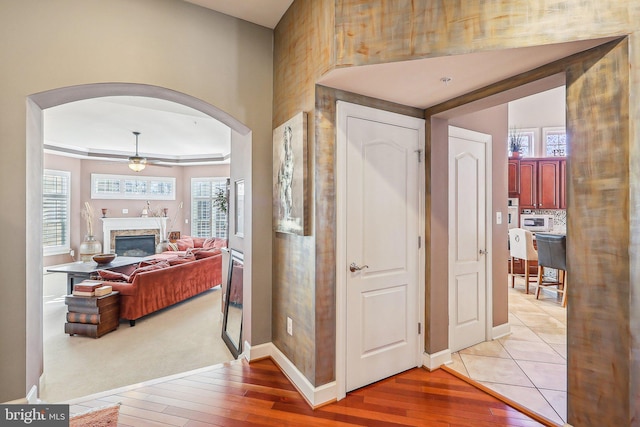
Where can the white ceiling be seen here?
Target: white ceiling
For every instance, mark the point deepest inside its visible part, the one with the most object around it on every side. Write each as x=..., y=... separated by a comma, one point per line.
x=104, y=126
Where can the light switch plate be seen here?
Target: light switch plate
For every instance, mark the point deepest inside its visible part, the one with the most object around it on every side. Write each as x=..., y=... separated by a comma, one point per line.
x=498, y=217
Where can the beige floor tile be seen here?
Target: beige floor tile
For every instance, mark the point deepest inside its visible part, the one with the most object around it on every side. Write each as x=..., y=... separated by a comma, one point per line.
x=558, y=400
x=514, y=320
x=533, y=351
x=540, y=319
x=552, y=335
x=549, y=376
x=487, y=348
x=530, y=398
x=561, y=349
x=520, y=333
x=457, y=365
x=495, y=369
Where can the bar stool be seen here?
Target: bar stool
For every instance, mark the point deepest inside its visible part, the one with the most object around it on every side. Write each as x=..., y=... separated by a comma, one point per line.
x=552, y=253
x=521, y=246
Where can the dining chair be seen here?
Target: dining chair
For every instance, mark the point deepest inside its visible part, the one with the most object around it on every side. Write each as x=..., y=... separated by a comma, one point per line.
x=552, y=253
x=521, y=246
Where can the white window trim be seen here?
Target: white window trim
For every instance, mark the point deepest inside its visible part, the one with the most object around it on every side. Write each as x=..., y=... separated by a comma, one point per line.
x=61, y=249
x=96, y=177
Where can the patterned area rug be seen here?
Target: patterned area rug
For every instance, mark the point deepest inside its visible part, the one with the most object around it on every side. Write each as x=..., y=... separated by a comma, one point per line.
x=104, y=416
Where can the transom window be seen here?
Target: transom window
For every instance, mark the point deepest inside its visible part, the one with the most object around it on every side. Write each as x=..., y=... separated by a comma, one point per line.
x=55, y=212
x=555, y=141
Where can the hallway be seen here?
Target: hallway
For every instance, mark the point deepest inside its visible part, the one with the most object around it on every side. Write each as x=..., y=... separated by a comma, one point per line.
x=529, y=366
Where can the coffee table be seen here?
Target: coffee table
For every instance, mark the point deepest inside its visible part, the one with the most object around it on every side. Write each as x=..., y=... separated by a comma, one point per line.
x=79, y=271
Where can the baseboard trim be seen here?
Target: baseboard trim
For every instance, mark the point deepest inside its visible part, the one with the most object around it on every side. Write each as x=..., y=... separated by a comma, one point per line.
x=435, y=360
x=32, y=396
x=500, y=331
x=315, y=396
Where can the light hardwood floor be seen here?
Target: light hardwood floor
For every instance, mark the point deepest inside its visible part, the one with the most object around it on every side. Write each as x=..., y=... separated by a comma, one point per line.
x=258, y=394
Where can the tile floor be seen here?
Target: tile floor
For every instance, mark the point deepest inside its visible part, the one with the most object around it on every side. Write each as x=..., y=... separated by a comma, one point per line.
x=528, y=366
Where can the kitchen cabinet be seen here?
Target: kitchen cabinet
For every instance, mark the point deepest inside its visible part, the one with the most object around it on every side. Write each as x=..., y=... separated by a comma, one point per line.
x=541, y=181
x=563, y=184
x=514, y=177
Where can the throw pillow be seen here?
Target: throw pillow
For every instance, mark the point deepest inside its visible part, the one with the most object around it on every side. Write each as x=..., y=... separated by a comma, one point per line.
x=156, y=266
x=178, y=261
x=220, y=243
x=209, y=243
x=184, y=243
x=173, y=247
x=112, y=275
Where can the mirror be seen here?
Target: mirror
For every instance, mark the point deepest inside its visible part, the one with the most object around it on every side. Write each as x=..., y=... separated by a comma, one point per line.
x=232, y=319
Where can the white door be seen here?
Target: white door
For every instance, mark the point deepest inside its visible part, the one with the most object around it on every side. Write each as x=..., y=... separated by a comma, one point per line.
x=467, y=237
x=382, y=237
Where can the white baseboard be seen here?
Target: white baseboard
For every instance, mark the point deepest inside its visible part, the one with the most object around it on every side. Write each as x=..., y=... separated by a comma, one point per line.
x=32, y=396
x=316, y=396
x=500, y=331
x=435, y=360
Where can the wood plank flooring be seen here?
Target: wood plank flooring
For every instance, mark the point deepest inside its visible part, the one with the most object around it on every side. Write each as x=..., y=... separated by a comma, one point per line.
x=258, y=394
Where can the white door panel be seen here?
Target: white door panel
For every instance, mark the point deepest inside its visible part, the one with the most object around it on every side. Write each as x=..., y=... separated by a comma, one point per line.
x=467, y=237
x=382, y=239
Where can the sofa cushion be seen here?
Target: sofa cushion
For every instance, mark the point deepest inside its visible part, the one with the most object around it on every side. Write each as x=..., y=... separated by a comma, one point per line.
x=198, y=241
x=179, y=260
x=205, y=253
x=113, y=275
x=156, y=266
x=172, y=246
x=184, y=243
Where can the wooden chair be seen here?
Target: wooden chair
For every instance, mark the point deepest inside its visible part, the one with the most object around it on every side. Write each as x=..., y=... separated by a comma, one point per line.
x=521, y=246
x=552, y=253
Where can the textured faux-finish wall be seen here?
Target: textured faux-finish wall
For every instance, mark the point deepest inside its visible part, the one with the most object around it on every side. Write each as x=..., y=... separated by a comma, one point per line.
x=224, y=61
x=602, y=108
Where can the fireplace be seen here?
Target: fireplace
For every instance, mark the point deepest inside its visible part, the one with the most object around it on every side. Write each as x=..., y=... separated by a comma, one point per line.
x=138, y=246
x=130, y=226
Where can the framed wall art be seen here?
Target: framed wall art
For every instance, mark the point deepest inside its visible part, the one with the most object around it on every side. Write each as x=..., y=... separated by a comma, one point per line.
x=290, y=176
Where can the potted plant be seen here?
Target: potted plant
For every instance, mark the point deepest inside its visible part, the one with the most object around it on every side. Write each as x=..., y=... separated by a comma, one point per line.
x=516, y=140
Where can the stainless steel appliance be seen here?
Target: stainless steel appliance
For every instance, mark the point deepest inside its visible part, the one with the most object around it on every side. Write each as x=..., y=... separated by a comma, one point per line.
x=513, y=212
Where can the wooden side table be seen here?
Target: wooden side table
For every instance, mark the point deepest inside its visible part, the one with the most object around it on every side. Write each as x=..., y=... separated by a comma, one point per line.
x=92, y=316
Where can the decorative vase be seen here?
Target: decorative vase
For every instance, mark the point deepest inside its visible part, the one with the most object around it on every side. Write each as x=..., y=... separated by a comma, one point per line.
x=89, y=247
x=515, y=154
x=163, y=246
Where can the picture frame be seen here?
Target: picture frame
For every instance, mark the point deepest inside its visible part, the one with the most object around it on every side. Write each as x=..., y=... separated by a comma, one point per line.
x=290, y=175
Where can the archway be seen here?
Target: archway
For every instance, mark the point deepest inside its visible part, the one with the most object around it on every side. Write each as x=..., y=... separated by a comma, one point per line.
x=36, y=103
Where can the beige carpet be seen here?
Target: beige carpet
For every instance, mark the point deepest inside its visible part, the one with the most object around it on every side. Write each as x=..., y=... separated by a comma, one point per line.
x=180, y=338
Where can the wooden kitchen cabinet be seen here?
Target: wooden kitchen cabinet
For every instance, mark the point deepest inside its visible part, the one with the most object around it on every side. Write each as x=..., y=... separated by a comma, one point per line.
x=540, y=183
x=514, y=177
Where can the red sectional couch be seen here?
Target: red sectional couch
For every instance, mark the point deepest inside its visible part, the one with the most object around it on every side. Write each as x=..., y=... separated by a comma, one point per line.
x=160, y=284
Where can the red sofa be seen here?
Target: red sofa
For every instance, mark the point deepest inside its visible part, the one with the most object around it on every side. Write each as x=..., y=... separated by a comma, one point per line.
x=154, y=288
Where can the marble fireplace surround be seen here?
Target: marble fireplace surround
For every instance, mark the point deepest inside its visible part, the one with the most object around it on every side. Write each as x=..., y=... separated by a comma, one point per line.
x=134, y=226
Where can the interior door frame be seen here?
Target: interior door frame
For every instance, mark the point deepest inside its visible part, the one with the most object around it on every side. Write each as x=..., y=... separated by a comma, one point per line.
x=343, y=111
x=488, y=335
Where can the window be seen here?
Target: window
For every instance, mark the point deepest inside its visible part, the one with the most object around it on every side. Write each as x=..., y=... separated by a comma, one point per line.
x=55, y=212
x=208, y=220
x=105, y=186
x=555, y=141
x=527, y=142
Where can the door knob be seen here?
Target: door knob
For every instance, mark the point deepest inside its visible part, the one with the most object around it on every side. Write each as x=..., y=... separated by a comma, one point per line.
x=354, y=267
x=483, y=252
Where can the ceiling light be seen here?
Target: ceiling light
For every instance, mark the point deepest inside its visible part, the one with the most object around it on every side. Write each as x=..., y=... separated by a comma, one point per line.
x=137, y=163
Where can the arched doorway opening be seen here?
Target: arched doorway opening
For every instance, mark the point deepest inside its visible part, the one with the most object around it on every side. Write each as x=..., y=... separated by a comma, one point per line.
x=36, y=103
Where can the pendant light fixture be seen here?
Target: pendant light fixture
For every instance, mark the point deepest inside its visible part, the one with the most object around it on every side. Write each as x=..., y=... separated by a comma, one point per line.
x=137, y=163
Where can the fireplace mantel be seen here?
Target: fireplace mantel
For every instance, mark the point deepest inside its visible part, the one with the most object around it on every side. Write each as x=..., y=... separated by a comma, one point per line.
x=132, y=223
